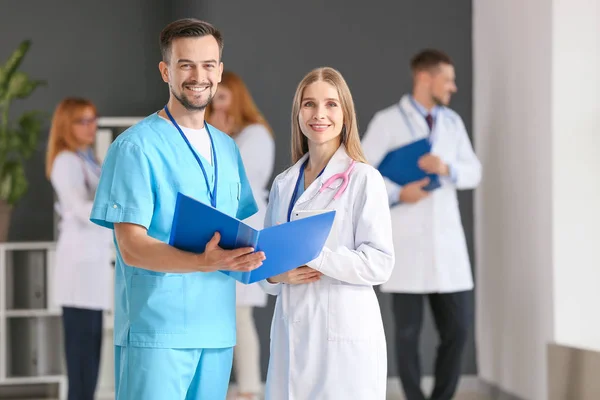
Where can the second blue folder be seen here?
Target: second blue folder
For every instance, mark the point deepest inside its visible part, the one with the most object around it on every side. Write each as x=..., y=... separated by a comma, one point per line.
x=401, y=165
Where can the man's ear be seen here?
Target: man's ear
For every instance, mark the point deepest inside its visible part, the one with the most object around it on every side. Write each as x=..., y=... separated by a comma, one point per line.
x=220, y=71
x=164, y=71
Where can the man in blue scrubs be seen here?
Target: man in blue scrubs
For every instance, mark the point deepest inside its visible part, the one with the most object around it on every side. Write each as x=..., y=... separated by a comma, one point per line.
x=174, y=312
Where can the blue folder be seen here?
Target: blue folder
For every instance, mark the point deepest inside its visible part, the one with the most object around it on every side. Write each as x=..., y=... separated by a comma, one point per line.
x=401, y=165
x=286, y=246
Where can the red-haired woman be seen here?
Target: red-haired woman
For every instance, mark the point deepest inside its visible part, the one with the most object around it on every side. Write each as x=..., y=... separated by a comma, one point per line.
x=83, y=273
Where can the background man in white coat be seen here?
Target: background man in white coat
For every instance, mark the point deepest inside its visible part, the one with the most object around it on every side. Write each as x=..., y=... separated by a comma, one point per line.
x=432, y=261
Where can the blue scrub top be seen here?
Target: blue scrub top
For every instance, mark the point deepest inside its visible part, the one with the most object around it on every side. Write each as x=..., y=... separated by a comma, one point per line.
x=143, y=170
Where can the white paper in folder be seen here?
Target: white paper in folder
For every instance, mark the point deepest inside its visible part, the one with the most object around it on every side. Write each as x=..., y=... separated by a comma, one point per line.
x=332, y=239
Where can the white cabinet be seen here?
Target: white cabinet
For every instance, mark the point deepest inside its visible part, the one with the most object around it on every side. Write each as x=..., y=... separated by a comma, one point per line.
x=32, y=358
x=31, y=338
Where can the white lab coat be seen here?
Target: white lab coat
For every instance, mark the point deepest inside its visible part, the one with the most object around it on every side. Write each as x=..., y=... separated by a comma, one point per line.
x=429, y=242
x=83, y=271
x=327, y=337
x=257, y=149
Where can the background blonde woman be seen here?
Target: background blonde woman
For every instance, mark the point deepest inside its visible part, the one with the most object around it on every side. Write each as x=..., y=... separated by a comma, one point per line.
x=234, y=112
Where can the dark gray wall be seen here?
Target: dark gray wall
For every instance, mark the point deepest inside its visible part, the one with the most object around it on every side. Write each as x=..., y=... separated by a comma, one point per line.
x=108, y=52
x=104, y=50
x=273, y=44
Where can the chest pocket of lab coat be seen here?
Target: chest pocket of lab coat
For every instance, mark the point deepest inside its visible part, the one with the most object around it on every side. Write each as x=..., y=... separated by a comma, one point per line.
x=353, y=313
x=229, y=197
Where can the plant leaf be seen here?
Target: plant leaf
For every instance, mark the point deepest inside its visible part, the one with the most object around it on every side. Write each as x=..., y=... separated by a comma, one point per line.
x=17, y=141
x=11, y=144
x=20, y=86
x=12, y=64
x=13, y=183
x=5, y=183
x=30, y=125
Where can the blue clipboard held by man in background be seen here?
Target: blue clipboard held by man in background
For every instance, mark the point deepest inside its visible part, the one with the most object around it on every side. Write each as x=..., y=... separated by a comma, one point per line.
x=401, y=165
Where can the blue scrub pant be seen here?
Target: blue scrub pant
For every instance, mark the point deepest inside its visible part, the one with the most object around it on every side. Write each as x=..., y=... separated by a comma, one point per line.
x=173, y=374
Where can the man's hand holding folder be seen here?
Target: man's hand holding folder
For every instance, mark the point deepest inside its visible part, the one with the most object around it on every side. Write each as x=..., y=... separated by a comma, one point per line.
x=432, y=164
x=416, y=191
x=244, y=259
x=415, y=169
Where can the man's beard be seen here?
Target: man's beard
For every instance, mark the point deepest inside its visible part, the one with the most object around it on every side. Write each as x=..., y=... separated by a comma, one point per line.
x=438, y=101
x=185, y=102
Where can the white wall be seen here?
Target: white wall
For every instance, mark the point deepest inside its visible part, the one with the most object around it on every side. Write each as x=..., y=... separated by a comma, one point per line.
x=512, y=131
x=537, y=212
x=576, y=169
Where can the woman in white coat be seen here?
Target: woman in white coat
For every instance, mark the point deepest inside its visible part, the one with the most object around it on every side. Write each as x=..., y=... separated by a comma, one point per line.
x=234, y=112
x=327, y=337
x=83, y=274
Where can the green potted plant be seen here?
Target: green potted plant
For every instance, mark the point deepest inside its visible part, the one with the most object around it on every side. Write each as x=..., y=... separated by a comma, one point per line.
x=19, y=137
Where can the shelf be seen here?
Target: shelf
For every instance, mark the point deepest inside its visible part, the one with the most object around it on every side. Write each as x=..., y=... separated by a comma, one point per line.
x=52, y=387
x=124, y=122
x=11, y=246
x=34, y=349
x=26, y=277
x=32, y=313
x=31, y=333
x=33, y=380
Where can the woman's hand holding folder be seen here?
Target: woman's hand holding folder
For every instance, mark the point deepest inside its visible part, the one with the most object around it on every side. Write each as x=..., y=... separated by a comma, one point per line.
x=297, y=276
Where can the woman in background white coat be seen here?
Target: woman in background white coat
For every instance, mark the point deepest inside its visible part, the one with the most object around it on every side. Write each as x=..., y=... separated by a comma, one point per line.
x=83, y=274
x=234, y=112
x=327, y=337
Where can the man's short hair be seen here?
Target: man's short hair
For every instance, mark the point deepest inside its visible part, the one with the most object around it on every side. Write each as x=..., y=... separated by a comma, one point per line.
x=429, y=59
x=187, y=27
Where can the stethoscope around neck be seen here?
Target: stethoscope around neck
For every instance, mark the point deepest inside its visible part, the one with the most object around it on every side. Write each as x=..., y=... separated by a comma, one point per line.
x=344, y=176
x=410, y=126
x=87, y=158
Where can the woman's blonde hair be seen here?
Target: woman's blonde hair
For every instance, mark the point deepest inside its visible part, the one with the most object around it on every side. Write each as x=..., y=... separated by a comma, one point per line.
x=62, y=136
x=243, y=109
x=350, y=137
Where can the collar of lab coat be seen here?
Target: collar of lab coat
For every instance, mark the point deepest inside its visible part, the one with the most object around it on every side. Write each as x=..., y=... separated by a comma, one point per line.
x=339, y=163
x=422, y=110
x=415, y=116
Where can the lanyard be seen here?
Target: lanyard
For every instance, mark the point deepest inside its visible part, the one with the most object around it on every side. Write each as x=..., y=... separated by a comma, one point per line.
x=87, y=157
x=295, y=194
x=213, y=193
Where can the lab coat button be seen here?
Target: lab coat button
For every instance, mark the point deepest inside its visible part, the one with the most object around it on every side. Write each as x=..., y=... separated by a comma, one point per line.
x=114, y=206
